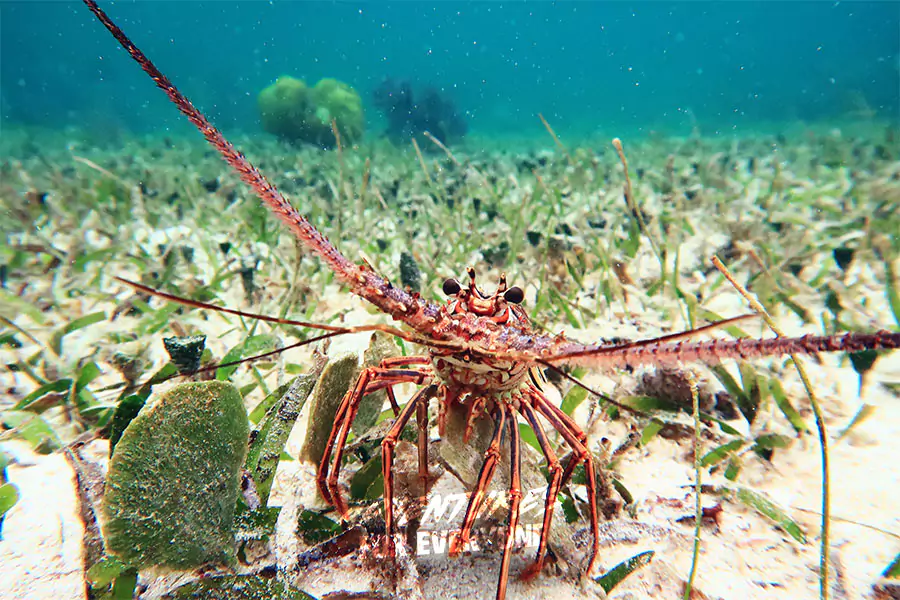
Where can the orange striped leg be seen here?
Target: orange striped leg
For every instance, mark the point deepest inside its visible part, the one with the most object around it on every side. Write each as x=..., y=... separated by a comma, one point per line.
x=552, y=489
x=339, y=417
x=581, y=454
x=322, y=473
x=491, y=456
x=476, y=406
x=421, y=398
x=515, y=497
x=446, y=399
x=393, y=400
x=573, y=427
x=369, y=380
x=422, y=425
x=400, y=361
x=393, y=376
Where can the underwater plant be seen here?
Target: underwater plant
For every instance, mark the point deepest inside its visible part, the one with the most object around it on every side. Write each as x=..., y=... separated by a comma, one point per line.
x=409, y=115
x=174, y=479
x=297, y=113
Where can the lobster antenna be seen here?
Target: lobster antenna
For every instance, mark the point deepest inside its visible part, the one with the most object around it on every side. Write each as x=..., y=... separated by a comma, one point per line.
x=668, y=338
x=590, y=390
x=333, y=330
x=396, y=302
x=271, y=197
x=233, y=363
x=653, y=352
x=231, y=311
x=657, y=341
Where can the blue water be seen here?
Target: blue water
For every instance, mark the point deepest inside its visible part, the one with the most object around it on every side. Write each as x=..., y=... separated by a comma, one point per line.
x=588, y=67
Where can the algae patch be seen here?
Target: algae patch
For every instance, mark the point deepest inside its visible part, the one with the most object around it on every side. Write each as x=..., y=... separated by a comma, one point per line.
x=174, y=479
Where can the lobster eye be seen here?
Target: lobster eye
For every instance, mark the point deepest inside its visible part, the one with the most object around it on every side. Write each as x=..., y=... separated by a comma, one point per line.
x=514, y=295
x=451, y=287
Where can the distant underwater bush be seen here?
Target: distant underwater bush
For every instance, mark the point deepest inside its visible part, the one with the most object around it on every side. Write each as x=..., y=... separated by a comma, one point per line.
x=298, y=113
x=410, y=114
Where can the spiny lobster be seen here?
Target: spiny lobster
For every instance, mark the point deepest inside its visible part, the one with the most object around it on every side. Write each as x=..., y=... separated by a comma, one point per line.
x=481, y=354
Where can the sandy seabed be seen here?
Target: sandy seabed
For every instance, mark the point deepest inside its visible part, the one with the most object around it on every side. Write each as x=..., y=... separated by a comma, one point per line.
x=743, y=555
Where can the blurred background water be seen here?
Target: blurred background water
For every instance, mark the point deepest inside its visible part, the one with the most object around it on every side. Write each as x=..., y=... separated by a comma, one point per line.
x=619, y=68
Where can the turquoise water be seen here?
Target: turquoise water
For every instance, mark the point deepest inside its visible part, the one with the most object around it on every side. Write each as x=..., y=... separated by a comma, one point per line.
x=588, y=67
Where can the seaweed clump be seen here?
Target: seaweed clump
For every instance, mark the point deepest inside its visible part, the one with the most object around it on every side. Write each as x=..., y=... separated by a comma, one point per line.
x=174, y=479
x=410, y=114
x=298, y=113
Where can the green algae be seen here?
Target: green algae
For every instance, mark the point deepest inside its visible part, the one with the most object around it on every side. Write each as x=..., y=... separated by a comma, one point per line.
x=174, y=479
x=298, y=113
x=337, y=377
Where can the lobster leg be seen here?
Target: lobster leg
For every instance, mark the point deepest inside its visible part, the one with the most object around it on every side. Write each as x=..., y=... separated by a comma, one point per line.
x=392, y=398
x=421, y=398
x=581, y=454
x=322, y=473
x=574, y=429
x=422, y=425
x=552, y=489
x=393, y=377
x=400, y=361
x=369, y=380
x=444, y=403
x=491, y=456
x=476, y=406
x=394, y=362
x=515, y=497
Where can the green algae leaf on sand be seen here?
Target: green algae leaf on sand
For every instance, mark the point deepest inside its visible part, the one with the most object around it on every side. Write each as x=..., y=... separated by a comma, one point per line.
x=174, y=479
x=103, y=573
x=893, y=570
x=617, y=574
x=79, y=323
x=268, y=438
x=125, y=412
x=237, y=587
x=337, y=377
x=368, y=482
x=9, y=495
x=252, y=345
x=31, y=428
x=315, y=527
x=764, y=506
x=720, y=453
